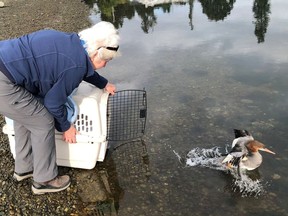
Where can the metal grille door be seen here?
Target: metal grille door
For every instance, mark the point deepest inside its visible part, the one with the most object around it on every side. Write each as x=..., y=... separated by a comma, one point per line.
x=126, y=115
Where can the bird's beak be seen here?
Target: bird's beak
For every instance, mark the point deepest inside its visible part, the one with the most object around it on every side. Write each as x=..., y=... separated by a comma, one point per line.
x=267, y=150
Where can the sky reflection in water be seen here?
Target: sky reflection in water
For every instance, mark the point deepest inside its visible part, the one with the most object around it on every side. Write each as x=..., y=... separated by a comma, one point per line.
x=203, y=79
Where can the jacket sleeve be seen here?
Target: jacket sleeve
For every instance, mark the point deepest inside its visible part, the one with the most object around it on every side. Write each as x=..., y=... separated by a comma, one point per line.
x=96, y=80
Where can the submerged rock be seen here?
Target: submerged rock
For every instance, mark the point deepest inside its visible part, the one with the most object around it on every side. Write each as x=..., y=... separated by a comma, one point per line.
x=92, y=186
x=276, y=176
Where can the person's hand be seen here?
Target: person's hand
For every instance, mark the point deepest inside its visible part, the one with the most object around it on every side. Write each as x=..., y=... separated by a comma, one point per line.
x=110, y=88
x=70, y=135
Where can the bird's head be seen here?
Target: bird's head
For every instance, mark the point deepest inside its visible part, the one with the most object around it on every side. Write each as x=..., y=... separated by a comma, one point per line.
x=255, y=146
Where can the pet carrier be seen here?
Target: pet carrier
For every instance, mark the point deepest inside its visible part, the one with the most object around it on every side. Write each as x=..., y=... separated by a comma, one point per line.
x=99, y=118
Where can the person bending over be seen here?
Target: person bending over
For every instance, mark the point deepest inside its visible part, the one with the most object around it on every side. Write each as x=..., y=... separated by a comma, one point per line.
x=38, y=71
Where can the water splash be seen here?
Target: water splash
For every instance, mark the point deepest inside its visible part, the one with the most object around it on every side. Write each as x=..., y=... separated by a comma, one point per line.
x=212, y=158
x=247, y=187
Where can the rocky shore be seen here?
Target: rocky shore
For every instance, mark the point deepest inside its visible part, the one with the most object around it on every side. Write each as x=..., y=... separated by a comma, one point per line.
x=19, y=17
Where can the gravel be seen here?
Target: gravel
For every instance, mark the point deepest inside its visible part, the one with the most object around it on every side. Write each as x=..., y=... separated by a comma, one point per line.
x=19, y=17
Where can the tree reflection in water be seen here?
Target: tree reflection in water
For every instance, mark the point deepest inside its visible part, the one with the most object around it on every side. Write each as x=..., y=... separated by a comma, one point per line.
x=116, y=11
x=261, y=9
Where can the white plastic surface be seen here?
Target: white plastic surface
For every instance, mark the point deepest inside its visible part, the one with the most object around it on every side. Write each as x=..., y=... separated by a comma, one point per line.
x=91, y=122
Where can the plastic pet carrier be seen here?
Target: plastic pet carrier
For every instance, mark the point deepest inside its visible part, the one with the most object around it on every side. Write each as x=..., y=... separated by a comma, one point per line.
x=99, y=118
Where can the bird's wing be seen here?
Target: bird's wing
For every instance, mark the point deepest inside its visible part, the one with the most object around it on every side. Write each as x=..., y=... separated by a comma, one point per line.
x=241, y=141
x=236, y=152
x=239, y=150
x=241, y=133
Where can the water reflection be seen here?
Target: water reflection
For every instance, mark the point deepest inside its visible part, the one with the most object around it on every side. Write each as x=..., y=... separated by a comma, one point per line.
x=202, y=83
x=116, y=11
x=261, y=9
x=217, y=10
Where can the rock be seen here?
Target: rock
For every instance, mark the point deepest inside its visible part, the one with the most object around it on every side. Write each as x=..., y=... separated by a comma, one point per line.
x=92, y=187
x=276, y=176
x=2, y=4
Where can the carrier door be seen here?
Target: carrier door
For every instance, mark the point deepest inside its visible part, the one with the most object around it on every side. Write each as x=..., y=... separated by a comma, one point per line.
x=126, y=115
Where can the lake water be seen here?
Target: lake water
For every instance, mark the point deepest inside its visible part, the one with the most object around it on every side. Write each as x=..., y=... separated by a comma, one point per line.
x=208, y=67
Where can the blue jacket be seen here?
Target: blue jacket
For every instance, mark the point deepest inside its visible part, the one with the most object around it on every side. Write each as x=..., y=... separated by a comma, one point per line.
x=49, y=64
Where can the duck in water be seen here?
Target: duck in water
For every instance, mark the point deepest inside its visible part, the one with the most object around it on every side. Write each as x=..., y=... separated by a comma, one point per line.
x=244, y=154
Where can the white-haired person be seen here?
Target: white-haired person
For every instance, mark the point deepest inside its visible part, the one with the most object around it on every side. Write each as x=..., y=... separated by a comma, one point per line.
x=38, y=71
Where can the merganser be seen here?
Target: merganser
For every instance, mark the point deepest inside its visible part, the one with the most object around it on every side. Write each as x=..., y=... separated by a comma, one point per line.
x=245, y=152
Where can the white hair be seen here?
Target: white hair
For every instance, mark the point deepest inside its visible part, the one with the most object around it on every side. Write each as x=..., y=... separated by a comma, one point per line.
x=99, y=36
